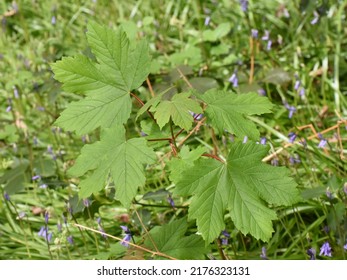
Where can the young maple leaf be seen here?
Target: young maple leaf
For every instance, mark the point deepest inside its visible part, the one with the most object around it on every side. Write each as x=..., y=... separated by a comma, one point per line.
x=228, y=111
x=170, y=239
x=119, y=68
x=115, y=156
x=241, y=185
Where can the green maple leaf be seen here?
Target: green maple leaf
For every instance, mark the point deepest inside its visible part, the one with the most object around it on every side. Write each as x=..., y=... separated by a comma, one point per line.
x=241, y=185
x=228, y=111
x=170, y=240
x=115, y=156
x=179, y=109
x=118, y=69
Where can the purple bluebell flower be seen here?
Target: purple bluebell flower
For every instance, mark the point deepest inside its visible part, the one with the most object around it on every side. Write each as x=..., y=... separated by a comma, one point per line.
x=345, y=247
x=224, y=241
x=226, y=233
x=70, y=239
x=171, y=201
x=6, y=196
x=302, y=92
x=266, y=35
x=54, y=20
x=36, y=177
x=325, y=250
x=269, y=44
x=9, y=108
x=275, y=162
x=263, y=140
x=254, y=33
x=245, y=139
x=291, y=109
x=207, y=20
x=322, y=143
x=244, y=5
x=263, y=254
x=127, y=236
x=43, y=186
x=292, y=136
x=143, y=134
x=329, y=194
x=315, y=19
x=294, y=159
x=297, y=84
x=234, y=80
x=49, y=149
x=45, y=234
x=261, y=92
x=311, y=253
x=86, y=202
x=46, y=217
x=15, y=92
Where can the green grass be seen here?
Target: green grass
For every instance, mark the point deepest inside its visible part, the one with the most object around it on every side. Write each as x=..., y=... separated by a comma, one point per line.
x=177, y=35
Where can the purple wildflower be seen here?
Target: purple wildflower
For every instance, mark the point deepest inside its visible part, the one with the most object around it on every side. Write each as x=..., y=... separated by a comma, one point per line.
x=325, y=250
x=54, y=20
x=36, y=177
x=226, y=233
x=15, y=92
x=127, y=236
x=207, y=20
x=302, y=92
x=292, y=136
x=269, y=44
x=266, y=35
x=234, y=80
x=45, y=234
x=86, y=202
x=224, y=241
x=6, y=196
x=315, y=19
x=329, y=194
x=261, y=92
x=43, y=186
x=46, y=217
x=294, y=159
x=263, y=140
x=322, y=143
x=311, y=253
x=254, y=33
x=345, y=247
x=263, y=253
x=9, y=108
x=244, y=5
x=275, y=162
x=49, y=149
x=297, y=84
x=291, y=109
x=70, y=239
x=171, y=201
